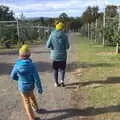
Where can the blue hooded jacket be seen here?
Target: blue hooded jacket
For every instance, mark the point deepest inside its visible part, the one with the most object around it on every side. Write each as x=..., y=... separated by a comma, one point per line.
x=24, y=72
x=58, y=42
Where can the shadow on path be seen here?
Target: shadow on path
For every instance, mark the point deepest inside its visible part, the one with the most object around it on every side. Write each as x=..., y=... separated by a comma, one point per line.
x=90, y=111
x=76, y=65
x=5, y=68
x=43, y=66
x=110, y=80
x=39, y=52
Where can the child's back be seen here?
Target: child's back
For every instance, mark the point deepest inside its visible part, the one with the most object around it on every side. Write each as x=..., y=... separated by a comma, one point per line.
x=24, y=69
x=25, y=73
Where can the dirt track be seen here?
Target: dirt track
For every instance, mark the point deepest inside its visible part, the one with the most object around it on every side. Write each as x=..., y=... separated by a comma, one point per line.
x=56, y=102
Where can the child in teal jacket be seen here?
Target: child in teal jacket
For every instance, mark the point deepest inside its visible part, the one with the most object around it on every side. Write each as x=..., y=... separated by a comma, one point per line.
x=58, y=43
x=26, y=75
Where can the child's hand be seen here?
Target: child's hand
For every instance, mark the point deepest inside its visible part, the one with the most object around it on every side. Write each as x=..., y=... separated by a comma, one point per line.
x=40, y=91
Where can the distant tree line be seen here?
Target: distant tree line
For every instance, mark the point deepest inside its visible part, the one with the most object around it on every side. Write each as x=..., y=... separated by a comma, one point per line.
x=27, y=31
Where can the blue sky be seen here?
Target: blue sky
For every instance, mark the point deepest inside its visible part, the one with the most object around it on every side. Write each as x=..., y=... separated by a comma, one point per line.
x=53, y=8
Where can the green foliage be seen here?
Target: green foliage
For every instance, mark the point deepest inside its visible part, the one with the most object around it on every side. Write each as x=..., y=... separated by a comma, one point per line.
x=63, y=17
x=91, y=14
x=6, y=14
x=76, y=23
x=8, y=32
x=111, y=10
x=111, y=34
x=97, y=32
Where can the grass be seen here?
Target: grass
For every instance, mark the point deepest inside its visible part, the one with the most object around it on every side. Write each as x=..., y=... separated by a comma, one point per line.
x=102, y=78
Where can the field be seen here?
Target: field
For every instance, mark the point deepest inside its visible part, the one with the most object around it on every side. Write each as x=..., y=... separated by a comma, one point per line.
x=100, y=80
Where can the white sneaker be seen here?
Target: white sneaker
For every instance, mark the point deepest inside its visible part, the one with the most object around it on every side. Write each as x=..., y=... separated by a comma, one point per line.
x=62, y=81
x=56, y=85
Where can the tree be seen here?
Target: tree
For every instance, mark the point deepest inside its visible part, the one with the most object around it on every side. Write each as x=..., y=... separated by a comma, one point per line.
x=42, y=20
x=63, y=17
x=75, y=23
x=91, y=14
x=6, y=14
x=7, y=31
x=111, y=10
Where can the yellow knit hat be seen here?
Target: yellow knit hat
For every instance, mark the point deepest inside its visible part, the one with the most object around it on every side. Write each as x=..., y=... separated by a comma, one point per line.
x=59, y=26
x=24, y=50
x=25, y=46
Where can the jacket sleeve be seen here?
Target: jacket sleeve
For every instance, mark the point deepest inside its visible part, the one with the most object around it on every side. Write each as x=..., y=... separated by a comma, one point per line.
x=37, y=80
x=13, y=74
x=49, y=43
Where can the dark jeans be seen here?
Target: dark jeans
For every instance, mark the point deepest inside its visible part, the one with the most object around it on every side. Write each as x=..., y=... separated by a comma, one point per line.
x=59, y=66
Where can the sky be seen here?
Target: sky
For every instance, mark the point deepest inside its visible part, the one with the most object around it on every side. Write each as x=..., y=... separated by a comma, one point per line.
x=53, y=8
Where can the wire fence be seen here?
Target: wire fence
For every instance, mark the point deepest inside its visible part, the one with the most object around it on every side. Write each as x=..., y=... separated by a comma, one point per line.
x=13, y=32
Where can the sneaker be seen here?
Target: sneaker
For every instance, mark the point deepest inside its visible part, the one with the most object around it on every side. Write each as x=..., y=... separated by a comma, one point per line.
x=62, y=83
x=40, y=111
x=56, y=85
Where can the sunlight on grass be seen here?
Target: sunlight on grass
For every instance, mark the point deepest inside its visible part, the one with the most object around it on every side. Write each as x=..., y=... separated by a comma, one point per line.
x=102, y=77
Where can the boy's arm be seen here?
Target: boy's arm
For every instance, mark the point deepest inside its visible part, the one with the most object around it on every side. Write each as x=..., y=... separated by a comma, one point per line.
x=37, y=80
x=13, y=74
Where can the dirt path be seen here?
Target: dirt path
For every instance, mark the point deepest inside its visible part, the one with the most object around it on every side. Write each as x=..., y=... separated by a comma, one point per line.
x=57, y=102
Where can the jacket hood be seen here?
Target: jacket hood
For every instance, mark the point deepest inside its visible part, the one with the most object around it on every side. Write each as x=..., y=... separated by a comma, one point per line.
x=24, y=65
x=24, y=61
x=58, y=34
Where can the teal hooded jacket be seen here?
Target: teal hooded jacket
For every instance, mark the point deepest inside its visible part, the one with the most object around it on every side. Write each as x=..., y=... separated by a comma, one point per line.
x=24, y=72
x=58, y=43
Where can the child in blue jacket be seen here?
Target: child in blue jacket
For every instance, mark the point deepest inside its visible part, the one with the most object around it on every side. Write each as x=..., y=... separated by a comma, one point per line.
x=24, y=72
